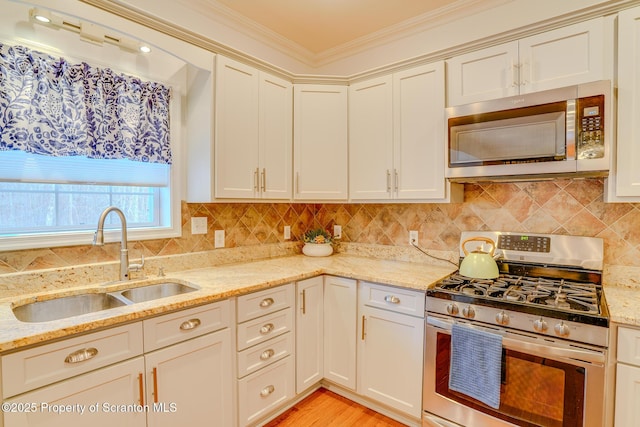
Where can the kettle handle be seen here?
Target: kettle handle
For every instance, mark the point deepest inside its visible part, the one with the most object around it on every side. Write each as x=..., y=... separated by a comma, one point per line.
x=479, y=239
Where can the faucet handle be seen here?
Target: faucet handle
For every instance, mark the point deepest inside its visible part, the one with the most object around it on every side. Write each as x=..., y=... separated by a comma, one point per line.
x=137, y=267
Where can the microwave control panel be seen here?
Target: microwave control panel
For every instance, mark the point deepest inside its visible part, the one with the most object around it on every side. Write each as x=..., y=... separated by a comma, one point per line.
x=590, y=143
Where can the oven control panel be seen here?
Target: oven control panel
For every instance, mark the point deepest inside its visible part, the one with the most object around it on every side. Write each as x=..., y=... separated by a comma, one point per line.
x=525, y=243
x=548, y=249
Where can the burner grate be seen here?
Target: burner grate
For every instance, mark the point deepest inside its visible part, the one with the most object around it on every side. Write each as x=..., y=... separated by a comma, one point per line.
x=552, y=293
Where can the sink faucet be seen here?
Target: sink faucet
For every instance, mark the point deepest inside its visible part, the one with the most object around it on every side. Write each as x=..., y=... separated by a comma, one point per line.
x=98, y=240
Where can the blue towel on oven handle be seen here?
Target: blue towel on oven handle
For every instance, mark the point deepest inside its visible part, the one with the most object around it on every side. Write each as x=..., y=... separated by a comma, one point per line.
x=476, y=364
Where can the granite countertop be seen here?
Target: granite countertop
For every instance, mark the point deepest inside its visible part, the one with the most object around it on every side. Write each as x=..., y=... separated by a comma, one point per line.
x=622, y=291
x=621, y=286
x=216, y=283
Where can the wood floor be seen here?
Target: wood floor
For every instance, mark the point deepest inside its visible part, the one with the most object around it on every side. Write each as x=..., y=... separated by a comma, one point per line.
x=325, y=408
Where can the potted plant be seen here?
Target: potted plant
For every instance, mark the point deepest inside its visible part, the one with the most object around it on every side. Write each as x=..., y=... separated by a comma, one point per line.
x=317, y=242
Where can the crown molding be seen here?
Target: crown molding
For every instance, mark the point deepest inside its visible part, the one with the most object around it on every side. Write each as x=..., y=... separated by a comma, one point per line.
x=415, y=25
x=419, y=24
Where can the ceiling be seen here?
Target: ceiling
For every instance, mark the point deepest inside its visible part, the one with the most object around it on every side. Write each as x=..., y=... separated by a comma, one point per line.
x=322, y=25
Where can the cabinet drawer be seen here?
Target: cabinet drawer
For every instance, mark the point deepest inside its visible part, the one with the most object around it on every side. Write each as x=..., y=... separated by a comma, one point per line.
x=259, y=330
x=259, y=356
x=32, y=368
x=182, y=325
x=391, y=298
x=264, y=302
x=629, y=346
x=265, y=390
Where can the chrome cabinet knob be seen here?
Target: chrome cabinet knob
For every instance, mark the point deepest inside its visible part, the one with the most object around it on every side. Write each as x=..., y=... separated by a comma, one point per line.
x=540, y=325
x=562, y=330
x=469, y=312
x=502, y=318
x=452, y=309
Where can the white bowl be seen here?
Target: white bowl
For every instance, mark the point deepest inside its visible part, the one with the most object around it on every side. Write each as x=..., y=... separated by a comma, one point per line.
x=317, y=249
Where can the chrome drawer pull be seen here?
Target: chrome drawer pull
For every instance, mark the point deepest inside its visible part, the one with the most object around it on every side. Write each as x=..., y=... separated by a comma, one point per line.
x=81, y=355
x=267, y=391
x=266, y=328
x=392, y=299
x=190, y=324
x=266, y=302
x=267, y=354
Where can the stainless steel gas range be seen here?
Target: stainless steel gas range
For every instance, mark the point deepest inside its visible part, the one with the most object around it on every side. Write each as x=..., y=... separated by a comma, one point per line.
x=547, y=311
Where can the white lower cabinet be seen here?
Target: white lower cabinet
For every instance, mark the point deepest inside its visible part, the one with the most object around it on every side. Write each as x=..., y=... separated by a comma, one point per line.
x=104, y=378
x=340, y=321
x=390, y=348
x=309, y=333
x=189, y=383
x=103, y=398
x=265, y=360
x=627, y=400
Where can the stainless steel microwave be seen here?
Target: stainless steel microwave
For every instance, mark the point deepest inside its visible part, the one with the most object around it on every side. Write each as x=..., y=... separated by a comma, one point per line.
x=559, y=132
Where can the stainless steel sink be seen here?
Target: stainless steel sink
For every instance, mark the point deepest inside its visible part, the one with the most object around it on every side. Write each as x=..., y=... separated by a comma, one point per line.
x=156, y=291
x=63, y=307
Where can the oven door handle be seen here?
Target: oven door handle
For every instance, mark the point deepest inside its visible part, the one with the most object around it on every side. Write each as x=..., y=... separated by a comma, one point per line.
x=548, y=349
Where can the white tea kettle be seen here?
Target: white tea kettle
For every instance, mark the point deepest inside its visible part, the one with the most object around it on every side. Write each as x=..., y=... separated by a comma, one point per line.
x=478, y=264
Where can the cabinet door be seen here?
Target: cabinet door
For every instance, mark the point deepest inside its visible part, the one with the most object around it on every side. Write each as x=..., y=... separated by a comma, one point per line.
x=98, y=398
x=419, y=132
x=320, y=142
x=371, y=139
x=627, y=176
x=386, y=338
x=276, y=140
x=340, y=320
x=567, y=56
x=309, y=333
x=236, y=130
x=485, y=74
x=190, y=383
x=627, y=408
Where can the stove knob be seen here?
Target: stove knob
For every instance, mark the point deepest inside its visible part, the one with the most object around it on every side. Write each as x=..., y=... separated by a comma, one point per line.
x=562, y=330
x=469, y=312
x=452, y=309
x=540, y=325
x=502, y=318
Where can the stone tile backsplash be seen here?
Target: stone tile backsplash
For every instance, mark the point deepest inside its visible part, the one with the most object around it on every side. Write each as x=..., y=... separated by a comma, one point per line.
x=560, y=206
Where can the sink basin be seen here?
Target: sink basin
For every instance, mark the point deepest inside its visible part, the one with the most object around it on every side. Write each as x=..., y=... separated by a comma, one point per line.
x=63, y=307
x=156, y=291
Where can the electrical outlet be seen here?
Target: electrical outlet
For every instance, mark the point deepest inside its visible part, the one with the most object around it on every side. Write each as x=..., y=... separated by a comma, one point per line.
x=287, y=232
x=413, y=237
x=337, y=232
x=199, y=225
x=218, y=239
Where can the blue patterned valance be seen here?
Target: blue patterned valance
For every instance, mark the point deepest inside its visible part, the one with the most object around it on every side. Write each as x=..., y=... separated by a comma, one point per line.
x=49, y=106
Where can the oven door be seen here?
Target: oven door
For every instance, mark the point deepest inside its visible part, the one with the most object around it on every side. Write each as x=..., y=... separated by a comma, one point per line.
x=545, y=382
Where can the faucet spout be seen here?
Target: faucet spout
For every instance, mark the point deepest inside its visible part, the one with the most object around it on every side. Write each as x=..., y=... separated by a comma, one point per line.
x=98, y=239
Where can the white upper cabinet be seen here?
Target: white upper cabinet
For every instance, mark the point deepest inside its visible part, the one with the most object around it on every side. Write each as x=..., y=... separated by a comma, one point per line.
x=485, y=74
x=563, y=57
x=396, y=134
x=371, y=139
x=624, y=181
x=320, y=142
x=252, y=133
x=418, y=132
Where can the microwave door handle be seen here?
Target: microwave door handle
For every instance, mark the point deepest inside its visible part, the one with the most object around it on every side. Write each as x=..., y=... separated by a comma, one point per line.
x=543, y=350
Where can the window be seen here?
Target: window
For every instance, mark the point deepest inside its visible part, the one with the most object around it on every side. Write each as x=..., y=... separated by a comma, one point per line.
x=27, y=208
x=56, y=201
